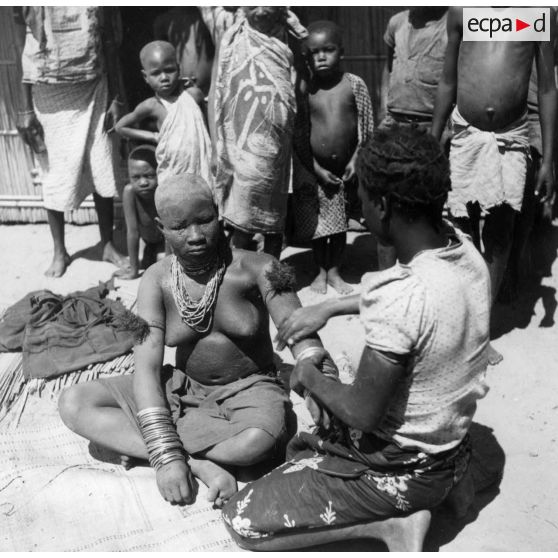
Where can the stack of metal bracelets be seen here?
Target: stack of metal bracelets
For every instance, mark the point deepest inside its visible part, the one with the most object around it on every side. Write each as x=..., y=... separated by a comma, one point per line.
x=160, y=436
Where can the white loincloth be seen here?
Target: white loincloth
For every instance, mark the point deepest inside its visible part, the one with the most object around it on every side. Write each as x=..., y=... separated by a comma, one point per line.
x=487, y=167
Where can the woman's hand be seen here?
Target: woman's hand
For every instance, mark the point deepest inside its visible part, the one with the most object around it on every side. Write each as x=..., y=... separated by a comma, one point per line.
x=544, y=190
x=302, y=323
x=27, y=124
x=176, y=483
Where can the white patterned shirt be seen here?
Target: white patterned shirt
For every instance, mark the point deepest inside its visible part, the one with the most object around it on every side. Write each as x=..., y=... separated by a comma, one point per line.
x=436, y=311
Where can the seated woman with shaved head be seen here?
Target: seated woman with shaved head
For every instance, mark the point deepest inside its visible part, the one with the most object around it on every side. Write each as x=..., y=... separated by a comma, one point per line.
x=222, y=405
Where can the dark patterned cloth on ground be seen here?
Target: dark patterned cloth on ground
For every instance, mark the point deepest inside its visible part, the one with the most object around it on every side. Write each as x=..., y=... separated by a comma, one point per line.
x=328, y=485
x=207, y=415
x=59, y=334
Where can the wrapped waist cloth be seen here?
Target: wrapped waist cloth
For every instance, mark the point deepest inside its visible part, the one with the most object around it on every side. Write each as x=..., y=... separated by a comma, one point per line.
x=184, y=145
x=254, y=117
x=488, y=167
x=338, y=484
x=207, y=415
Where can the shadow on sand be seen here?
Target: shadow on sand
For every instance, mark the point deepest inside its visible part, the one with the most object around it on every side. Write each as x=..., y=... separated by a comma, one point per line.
x=518, y=297
x=95, y=253
x=360, y=258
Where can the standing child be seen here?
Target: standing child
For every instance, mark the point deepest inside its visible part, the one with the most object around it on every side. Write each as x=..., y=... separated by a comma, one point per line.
x=183, y=144
x=335, y=116
x=138, y=200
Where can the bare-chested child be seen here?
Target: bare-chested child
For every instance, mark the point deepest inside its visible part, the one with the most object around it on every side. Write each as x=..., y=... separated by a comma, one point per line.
x=138, y=201
x=489, y=82
x=181, y=136
x=339, y=111
x=213, y=304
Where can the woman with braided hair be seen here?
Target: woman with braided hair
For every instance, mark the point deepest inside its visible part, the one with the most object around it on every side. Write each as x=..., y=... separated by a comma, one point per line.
x=399, y=442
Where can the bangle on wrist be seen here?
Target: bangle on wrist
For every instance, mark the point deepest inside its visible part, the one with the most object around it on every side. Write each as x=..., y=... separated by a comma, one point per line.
x=308, y=352
x=160, y=437
x=25, y=112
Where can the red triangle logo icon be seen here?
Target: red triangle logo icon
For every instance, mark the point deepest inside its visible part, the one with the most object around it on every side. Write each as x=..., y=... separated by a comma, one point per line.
x=520, y=24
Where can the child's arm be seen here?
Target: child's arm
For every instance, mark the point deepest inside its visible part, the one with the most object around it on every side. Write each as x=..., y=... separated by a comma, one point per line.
x=325, y=177
x=132, y=234
x=126, y=126
x=544, y=59
x=350, y=169
x=447, y=88
x=384, y=89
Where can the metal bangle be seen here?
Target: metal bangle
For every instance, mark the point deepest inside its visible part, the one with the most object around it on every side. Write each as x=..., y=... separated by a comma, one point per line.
x=308, y=352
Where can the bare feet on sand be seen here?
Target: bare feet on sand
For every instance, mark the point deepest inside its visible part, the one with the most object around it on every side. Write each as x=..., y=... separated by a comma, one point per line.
x=58, y=265
x=112, y=255
x=494, y=357
x=319, y=285
x=221, y=485
x=335, y=281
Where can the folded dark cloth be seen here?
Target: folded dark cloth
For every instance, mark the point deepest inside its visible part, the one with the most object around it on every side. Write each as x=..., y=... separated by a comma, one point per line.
x=59, y=334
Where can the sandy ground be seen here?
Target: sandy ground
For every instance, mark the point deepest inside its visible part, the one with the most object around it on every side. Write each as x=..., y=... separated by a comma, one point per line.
x=521, y=409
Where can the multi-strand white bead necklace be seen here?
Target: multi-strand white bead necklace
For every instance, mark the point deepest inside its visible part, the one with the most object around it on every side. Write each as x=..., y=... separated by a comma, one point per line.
x=197, y=314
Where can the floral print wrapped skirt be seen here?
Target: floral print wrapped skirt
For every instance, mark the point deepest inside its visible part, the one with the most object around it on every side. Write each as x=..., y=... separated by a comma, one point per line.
x=325, y=484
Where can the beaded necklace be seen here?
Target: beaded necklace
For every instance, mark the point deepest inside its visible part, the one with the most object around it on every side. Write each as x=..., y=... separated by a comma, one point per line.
x=197, y=314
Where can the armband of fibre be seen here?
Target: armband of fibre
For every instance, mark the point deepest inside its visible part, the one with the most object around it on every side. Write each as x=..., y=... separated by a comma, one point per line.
x=281, y=279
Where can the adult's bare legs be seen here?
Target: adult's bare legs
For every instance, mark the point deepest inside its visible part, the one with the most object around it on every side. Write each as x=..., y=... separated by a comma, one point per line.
x=105, y=215
x=337, y=245
x=91, y=411
x=493, y=237
x=497, y=238
x=320, y=252
x=61, y=258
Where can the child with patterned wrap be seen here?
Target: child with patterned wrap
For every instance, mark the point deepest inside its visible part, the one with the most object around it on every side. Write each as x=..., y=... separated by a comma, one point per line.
x=182, y=140
x=400, y=440
x=334, y=118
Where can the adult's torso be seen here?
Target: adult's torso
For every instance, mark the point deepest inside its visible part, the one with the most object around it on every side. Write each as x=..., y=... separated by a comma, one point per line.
x=64, y=45
x=239, y=342
x=184, y=28
x=493, y=75
x=417, y=66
